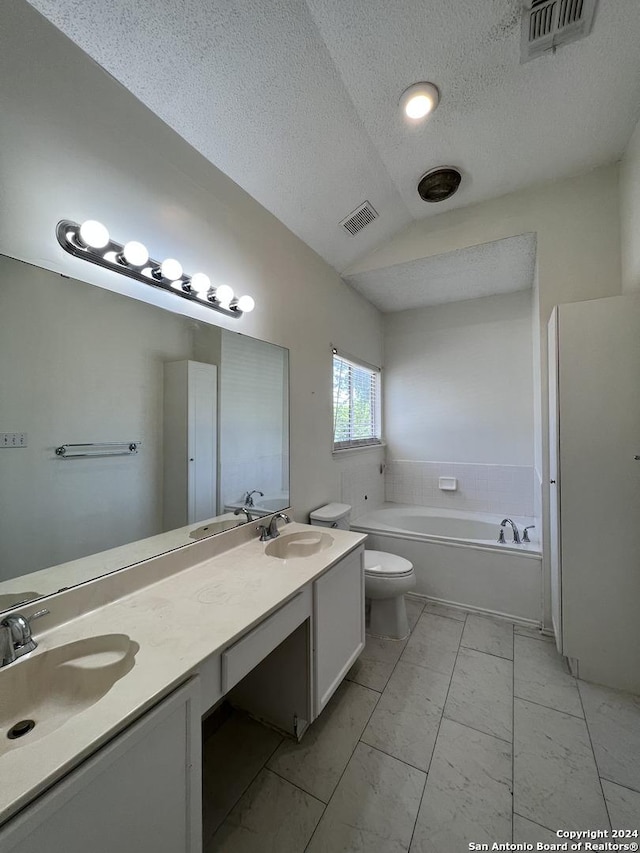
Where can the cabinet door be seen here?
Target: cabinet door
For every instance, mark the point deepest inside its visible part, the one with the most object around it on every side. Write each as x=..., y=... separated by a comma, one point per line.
x=138, y=794
x=338, y=611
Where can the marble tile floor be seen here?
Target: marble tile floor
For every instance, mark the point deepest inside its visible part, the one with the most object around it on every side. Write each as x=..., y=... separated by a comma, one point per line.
x=470, y=730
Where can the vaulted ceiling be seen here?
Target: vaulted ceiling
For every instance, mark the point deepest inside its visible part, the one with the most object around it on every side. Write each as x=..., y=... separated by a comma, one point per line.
x=298, y=101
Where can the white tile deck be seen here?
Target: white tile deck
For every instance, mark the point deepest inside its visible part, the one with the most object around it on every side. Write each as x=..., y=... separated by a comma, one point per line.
x=414, y=752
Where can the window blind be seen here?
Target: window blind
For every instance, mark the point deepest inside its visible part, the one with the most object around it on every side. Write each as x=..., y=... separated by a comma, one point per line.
x=356, y=404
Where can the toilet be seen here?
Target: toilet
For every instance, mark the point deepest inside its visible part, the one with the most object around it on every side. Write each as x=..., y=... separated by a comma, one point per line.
x=386, y=578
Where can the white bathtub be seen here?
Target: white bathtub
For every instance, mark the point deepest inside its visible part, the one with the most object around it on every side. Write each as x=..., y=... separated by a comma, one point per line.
x=457, y=557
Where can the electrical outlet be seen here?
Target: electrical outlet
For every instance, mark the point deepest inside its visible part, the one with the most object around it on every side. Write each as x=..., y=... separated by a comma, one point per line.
x=13, y=439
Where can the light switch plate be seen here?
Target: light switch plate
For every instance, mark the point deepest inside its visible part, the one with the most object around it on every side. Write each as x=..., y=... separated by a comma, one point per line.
x=13, y=439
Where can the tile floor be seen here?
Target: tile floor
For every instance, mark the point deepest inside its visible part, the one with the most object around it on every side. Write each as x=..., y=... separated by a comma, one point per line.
x=470, y=730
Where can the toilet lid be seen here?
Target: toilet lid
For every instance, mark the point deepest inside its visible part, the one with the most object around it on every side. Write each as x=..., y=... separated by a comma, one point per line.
x=388, y=565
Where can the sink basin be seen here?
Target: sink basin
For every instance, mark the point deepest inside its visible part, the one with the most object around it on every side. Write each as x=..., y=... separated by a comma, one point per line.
x=293, y=546
x=49, y=688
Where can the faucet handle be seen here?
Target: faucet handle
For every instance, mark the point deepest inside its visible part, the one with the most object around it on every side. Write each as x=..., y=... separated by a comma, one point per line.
x=501, y=536
x=20, y=626
x=525, y=535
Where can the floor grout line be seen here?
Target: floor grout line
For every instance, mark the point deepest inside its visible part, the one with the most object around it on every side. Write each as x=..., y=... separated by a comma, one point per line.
x=484, y=652
x=537, y=822
x=250, y=783
x=298, y=786
x=435, y=740
x=619, y=784
x=474, y=729
x=548, y=707
x=593, y=752
x=395, y=757
x=337, y=785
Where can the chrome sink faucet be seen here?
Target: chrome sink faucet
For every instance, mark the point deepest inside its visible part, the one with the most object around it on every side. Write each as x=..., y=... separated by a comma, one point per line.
x=248, y=497
x=243, y=509
x=15, y=636
x=272, y=532
x=516, y=535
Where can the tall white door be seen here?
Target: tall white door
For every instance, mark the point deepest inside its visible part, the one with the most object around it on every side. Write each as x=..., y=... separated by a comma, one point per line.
x=599, y=417
x=555, y=559
x=202, y=441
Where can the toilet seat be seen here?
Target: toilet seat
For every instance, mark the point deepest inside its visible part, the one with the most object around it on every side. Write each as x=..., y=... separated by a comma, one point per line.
x=381, y=564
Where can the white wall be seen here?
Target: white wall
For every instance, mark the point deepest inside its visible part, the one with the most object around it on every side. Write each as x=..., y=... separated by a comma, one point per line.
x=577, y=224
x=630, y=213
x=79, y=364
x=76, y=145
x=253, y=420
x=458, y=382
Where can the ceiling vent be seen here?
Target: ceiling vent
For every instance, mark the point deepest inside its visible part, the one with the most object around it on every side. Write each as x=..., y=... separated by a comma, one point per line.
x=548, y=24
x=360, y=217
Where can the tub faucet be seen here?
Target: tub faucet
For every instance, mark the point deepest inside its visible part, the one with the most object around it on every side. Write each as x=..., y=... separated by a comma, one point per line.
x=516, y=535
x=272, y=532
x=15, y=636
x=248, y=497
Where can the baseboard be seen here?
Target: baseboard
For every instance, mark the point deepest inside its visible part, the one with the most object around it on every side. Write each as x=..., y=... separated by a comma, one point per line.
x=496, y=614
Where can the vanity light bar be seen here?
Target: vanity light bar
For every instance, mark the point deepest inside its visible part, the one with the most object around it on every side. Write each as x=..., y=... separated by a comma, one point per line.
x=91, y=241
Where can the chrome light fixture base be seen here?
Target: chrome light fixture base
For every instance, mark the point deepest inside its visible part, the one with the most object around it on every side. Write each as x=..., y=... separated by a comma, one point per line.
x=111, y=257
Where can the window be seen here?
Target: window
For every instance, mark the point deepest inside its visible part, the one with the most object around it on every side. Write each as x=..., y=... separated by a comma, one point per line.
x=356, y=404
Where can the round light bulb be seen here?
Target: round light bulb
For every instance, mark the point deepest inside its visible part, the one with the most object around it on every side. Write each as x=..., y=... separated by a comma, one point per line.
x=224, y=294
x=200, y=283
x=246, y=304
x=419, y=100
x=171, y=269
x=135, y=253
x=94, y=234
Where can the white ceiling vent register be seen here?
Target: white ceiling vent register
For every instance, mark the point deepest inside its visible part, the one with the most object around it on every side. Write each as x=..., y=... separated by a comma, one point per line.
x=358, y=218
x=547, y=24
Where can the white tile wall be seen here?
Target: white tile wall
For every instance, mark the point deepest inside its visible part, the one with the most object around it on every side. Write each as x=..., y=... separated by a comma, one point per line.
x=362, y=483
x=504, y=489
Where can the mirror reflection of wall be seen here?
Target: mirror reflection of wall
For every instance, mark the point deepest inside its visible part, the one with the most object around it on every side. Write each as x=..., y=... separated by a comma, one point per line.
x=83, y=364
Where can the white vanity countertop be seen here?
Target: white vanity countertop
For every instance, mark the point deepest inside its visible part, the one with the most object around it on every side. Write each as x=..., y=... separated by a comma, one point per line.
x=178, y=623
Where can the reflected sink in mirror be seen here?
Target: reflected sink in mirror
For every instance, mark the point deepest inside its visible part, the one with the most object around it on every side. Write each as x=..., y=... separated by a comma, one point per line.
x=13, y=599
x=293, y=546
x=52, y=686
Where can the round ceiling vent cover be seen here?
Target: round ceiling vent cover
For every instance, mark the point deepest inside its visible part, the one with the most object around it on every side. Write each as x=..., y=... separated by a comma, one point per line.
x=439, y=184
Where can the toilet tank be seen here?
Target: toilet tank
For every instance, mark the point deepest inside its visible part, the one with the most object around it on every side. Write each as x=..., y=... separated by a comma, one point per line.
x=332, y=515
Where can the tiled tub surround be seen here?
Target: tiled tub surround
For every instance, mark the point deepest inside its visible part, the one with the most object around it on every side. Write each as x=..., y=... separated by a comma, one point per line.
x=457, y=559
x=504, y=489
x=362, y=480
x=470, y=730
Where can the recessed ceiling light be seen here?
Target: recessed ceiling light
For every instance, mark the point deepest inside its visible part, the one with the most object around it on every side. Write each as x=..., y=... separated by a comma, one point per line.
x=419, y=101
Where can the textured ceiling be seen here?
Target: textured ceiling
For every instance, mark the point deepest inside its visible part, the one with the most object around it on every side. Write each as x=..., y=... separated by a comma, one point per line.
x=503, y=266
x=297, y=102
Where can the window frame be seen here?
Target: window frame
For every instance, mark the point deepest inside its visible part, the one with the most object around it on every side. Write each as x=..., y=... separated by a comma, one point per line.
x=373, y=440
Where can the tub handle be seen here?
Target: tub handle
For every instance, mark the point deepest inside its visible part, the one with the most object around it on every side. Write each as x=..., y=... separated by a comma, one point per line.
x=501, y=536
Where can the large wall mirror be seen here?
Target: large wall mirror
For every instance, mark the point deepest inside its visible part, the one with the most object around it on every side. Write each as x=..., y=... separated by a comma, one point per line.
x=125, y=431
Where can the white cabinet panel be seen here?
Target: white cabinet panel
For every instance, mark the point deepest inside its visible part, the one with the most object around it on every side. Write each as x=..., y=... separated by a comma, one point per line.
x=338, y=613
x=141, y=793
x=238, y=660
x=599, y=487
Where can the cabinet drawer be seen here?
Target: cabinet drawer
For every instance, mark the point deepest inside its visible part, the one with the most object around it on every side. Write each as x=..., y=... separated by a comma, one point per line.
x=241, y=657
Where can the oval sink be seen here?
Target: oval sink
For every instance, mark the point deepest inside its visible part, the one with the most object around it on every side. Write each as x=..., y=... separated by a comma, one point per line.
x=48, y=689
x=293, y=546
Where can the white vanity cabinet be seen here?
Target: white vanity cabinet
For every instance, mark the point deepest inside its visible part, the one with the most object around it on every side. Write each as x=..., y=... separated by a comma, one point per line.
x=141, y=793
x=338, y=624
